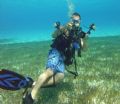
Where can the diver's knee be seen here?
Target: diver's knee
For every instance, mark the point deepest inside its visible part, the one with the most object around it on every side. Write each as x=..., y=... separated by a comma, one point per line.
x=49, y=72
x=60, y=76
x=46, y=74
x=42, y=76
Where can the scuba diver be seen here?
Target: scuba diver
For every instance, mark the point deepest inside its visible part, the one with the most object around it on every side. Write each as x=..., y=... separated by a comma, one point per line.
x=66, y=39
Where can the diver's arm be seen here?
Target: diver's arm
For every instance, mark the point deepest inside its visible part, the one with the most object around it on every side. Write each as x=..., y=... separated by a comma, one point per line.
x=81, y=42
x=83, y=34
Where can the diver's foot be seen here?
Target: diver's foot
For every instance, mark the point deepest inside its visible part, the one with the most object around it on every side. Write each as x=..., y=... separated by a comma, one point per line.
x=28, y=99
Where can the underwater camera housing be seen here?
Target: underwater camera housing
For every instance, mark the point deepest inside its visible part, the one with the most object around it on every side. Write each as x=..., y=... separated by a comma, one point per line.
x=57, y=24
x=92, y=27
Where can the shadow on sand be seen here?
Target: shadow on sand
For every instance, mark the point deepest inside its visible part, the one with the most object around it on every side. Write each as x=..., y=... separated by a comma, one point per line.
x=51, y=95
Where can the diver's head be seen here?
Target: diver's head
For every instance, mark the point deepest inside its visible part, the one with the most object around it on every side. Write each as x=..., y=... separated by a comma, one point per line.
x=76, y=19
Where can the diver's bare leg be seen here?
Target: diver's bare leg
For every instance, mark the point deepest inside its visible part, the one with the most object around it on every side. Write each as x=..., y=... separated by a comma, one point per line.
x=41, y=80
x=58, y=77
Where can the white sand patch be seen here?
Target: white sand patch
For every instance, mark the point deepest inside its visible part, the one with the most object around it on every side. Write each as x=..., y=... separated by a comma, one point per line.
x=95, y=83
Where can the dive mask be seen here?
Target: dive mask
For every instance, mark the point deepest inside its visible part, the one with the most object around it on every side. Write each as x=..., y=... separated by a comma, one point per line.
x=76, y=22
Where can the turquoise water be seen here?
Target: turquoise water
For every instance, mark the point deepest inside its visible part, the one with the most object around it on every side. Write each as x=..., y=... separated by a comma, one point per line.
x=32, y=20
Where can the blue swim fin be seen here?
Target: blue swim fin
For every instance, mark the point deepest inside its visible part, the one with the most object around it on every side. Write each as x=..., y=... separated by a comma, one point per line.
x=10, y=80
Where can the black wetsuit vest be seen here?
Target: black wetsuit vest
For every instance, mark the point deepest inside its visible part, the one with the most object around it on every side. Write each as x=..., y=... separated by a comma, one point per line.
x=61, y=43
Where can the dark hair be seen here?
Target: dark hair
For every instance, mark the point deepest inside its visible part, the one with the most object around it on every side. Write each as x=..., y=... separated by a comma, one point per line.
x=76, y=14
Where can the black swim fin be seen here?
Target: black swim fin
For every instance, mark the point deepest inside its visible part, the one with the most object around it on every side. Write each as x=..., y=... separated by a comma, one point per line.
x=10, y=80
